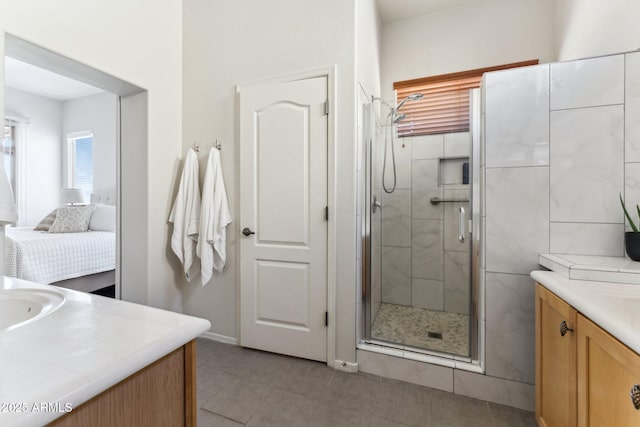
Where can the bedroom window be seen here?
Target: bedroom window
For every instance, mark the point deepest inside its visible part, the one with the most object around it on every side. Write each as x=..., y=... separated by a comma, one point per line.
x=80, y=170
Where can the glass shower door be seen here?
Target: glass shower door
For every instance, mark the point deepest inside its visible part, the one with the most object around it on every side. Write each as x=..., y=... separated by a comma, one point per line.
x=419, y=292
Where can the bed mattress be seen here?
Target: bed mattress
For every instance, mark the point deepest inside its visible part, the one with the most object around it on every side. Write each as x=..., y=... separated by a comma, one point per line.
x=50, y=257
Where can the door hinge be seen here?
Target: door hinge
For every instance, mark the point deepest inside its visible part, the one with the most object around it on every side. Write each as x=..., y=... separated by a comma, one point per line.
x=326, y=318
x=326, y=107
x=326, y=213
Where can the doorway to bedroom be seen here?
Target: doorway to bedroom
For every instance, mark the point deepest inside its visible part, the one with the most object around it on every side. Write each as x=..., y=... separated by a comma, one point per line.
x=62, y=144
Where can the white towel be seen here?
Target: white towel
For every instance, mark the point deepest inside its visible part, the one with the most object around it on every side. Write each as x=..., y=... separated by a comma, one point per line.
x=215, y=217
x=185, y=216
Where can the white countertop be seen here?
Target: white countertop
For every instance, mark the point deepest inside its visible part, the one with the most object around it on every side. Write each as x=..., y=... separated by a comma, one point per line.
x=615, y=307
x=593, y=267
x=84, y=347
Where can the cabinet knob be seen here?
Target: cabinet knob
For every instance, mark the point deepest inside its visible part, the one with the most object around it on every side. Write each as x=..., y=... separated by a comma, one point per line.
x=564, y=328
x=635, y=395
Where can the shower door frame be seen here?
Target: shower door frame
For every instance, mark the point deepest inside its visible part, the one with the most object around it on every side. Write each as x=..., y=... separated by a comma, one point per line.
x=476, y=298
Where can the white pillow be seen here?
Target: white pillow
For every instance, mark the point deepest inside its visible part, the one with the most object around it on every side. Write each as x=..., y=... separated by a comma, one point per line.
x=71, y=219
x=103, y=218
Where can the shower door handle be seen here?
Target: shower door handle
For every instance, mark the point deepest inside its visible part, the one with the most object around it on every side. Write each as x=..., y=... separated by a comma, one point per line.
x=461, y=225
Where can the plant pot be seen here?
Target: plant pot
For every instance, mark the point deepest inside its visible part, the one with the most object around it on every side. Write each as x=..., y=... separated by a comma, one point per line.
x=632, y=244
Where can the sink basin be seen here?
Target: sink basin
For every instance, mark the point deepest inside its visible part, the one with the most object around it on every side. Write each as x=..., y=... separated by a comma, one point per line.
x=24, y=305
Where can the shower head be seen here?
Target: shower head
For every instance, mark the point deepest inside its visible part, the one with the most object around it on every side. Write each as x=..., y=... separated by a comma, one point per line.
x=412, y=97
x=399, y=117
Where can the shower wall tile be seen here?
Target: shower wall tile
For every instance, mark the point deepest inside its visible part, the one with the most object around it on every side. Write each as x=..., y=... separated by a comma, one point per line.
x=396, y=275
x=504, y=392
x=427, y=249
x=631, y=193
x=517, y=221
x=427, y=294
x=427, y=147
x=517, y=117
x=410, y=371
x=457, y=144
x=632, y=107
x=587, y=155
x=456, y=282
x=587, y=238
x=396, y=218
x=403, y=163
x=510, y=325
x=424, y=187
x=587, y=82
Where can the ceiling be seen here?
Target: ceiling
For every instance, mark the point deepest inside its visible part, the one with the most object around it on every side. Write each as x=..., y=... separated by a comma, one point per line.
x=399, y=10
x=26, y=77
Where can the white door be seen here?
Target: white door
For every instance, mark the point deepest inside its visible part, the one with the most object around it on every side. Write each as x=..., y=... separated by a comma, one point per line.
x=283, y=200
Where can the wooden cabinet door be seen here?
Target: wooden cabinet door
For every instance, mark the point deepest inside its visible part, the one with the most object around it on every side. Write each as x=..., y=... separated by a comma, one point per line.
x=555, y=361
x=607, y=370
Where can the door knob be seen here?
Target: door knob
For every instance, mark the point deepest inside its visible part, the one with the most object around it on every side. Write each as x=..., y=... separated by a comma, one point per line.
x=247, y=231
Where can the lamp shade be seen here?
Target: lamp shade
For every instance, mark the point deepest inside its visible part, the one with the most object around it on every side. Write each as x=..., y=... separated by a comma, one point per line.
x=71, y=196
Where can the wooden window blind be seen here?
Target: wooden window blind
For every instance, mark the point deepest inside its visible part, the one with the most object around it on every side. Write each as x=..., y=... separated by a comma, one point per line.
x=445, y=105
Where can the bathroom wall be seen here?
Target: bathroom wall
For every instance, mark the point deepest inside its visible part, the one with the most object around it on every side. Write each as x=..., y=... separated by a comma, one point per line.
x=585, y=28
x=42, y=151
x=423, y=263
x=99, y=114
x=481, y=34
x=139, y=42
x=555, y=161
x=220, y=53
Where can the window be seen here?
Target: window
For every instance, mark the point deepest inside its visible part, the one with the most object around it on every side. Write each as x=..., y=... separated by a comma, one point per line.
x=9, y=152
x=80, y=166
x=445, y=105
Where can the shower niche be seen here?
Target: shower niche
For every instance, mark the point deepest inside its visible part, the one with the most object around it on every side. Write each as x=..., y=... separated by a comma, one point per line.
x=453, y=171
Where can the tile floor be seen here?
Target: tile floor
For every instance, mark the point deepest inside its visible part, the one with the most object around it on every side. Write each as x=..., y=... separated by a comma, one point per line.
x=238, y=386
x=403, y=324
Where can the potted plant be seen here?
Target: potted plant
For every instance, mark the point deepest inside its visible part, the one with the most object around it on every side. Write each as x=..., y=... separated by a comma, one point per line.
x=631, y=238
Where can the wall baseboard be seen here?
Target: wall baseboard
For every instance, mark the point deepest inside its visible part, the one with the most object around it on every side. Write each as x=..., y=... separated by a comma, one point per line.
x=341, y=365
x=220, y=338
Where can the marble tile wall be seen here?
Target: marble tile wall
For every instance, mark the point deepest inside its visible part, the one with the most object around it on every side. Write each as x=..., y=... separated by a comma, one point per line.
x=561, y=141
x=435, y=261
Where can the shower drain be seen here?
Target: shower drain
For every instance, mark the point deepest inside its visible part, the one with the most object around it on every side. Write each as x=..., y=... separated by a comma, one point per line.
x=437, y=335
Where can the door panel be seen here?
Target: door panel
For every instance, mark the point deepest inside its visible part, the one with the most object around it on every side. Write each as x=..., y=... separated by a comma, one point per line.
x=283, y=202
x=283, y=195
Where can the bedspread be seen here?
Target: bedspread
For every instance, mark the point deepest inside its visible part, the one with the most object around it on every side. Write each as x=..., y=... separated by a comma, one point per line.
x=50, y=257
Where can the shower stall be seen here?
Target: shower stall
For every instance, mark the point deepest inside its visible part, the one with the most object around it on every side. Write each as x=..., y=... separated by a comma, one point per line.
x=420, y=235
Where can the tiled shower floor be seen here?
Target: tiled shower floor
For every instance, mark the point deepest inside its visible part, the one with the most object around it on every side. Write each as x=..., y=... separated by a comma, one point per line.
x=410, y=326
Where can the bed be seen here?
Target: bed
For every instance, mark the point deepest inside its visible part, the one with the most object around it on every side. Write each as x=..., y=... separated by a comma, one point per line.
x=83, y=261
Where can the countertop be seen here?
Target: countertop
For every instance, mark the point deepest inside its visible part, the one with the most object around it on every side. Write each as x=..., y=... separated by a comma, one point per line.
x=593, y=267
x=87, y=345
x=615, y=307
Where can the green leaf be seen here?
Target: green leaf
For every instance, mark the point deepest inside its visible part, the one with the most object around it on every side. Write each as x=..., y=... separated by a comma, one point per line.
x=633, y=226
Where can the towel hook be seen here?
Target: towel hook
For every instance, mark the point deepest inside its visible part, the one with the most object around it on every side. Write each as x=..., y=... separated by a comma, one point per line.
x=196, y=147
x=218, y=145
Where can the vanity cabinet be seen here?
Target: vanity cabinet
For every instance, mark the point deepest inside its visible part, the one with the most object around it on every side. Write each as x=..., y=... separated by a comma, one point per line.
x=161, y=394
x=584, y=376
x=555, y=361
x=607, y=372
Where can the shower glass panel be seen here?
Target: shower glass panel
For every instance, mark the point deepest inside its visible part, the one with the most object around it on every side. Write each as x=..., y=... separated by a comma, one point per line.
x=417, y=246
